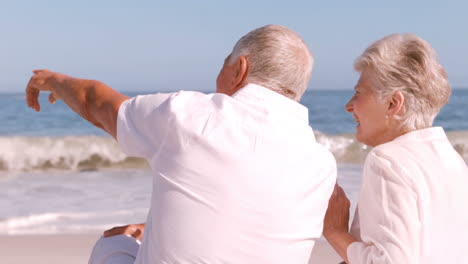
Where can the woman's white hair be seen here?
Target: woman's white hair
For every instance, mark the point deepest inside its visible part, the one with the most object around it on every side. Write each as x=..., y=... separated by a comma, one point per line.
x=407, y=63
x=278, y=59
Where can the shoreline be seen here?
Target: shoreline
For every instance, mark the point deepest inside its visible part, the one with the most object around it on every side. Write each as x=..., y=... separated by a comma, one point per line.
x=76, y=248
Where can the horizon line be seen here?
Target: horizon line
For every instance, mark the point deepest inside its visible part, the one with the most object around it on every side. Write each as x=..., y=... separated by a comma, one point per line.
x=204, y=91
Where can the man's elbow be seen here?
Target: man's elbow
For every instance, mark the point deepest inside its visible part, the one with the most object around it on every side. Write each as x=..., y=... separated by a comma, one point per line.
x=102, y=105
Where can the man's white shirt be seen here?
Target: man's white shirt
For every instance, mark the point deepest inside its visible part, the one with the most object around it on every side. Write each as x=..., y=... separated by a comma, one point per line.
x=237, y=179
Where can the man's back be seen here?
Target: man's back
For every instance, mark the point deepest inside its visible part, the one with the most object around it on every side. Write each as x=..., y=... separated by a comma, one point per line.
x=237, y=179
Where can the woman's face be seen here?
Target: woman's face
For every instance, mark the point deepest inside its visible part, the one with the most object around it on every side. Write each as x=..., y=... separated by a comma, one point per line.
x=369, y=112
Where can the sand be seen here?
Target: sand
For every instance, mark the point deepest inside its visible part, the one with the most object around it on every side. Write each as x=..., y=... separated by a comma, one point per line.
x=46, y=249
x=75, y=249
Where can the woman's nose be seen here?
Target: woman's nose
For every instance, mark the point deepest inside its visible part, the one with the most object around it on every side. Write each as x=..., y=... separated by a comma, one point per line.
x=349, y=106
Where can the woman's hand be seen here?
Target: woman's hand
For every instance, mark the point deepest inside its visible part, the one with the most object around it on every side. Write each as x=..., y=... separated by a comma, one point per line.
x=337, y=216
x=335, y=226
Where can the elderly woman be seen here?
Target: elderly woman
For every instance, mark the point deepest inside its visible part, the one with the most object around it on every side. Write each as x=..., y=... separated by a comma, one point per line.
x=413, y=202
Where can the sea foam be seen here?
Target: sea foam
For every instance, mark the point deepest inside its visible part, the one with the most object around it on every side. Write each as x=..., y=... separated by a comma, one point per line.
x=64, y=153
x=96, y=152
x=67, y=222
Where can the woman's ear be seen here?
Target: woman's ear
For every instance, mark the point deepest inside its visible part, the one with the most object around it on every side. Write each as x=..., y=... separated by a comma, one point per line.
x=396, y=102
x=242, y=67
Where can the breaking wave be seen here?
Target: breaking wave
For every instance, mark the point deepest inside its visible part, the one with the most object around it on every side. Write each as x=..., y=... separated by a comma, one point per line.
x=95, y=152
x=346, y=149
x=63, y=153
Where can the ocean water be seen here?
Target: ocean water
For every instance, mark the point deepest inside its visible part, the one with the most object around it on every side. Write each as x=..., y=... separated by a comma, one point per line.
x=59, y=174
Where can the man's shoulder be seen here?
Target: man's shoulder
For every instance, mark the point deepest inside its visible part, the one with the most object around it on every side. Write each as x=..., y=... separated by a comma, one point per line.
x=195, y=97
x=181, y=95
x=181, y=101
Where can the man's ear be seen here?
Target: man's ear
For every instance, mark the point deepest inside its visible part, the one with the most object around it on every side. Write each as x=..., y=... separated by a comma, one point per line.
x=395, y=105
x=242, y=69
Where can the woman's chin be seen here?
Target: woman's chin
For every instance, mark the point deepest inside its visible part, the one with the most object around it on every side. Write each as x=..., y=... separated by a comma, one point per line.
x=360, y=137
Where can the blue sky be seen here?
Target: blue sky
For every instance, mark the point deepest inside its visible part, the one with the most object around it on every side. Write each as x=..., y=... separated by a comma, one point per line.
x=175, y=45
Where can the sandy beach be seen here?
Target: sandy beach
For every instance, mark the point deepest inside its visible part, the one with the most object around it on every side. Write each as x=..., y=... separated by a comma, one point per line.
x=46, y=249
x=75, y=249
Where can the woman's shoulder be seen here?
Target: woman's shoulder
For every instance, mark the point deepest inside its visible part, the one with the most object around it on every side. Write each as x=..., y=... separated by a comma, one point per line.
x=390, y=152
x=393, y=162
x=406, y=149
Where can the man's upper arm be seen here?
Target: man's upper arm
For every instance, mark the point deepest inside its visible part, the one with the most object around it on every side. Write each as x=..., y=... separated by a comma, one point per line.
x=142, y=124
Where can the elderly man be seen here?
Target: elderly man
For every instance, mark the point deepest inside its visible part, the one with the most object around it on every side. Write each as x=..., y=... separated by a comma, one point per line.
x=238, y=175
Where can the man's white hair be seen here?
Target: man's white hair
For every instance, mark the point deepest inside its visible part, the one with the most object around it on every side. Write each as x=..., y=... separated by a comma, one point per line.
x=407, y=63
x=278, y=59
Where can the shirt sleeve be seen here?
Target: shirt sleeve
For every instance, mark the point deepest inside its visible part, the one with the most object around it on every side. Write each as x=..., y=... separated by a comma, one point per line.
x=389, y=216
x=142, y=124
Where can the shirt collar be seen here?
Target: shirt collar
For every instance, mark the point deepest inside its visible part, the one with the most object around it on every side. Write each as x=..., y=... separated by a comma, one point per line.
x=425, y=134
x=271, y=100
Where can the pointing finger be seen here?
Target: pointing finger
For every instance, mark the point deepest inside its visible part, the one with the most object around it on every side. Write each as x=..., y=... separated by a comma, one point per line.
x=32, y=95
x=38, y=71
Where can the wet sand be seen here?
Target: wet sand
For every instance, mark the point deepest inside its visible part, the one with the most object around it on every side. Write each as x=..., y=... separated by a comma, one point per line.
x=75, y=249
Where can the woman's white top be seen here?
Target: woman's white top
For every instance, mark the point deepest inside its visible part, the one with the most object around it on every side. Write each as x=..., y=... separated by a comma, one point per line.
x=413, y=204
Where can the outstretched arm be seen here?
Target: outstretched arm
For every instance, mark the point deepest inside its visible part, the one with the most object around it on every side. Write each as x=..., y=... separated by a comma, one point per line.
x=92, y=100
